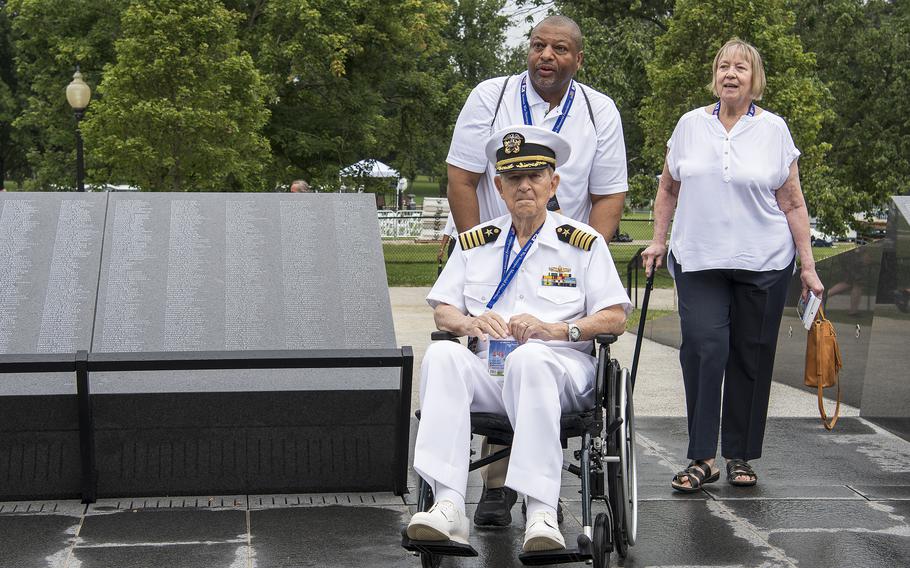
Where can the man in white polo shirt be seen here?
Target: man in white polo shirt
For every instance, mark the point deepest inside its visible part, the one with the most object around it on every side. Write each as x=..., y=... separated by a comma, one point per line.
x=593, y=182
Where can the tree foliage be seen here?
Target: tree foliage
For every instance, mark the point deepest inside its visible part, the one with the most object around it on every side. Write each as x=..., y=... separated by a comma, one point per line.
x=349, y=80
x=862, y=48
x=50, y=38
x=681, y=69
x=12, y=157
x=249, y=94
x=183, y=106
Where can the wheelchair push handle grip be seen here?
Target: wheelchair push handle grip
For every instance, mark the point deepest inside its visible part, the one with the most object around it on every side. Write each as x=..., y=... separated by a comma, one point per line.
x=443, y=336
x=605, y=338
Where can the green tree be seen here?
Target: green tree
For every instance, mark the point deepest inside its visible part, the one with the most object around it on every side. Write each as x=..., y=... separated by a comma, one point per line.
x=349, y=81
x=475, y=51
x=183, y=106
x=619, y=41
x=862, y=48
x=12, y=156
x=49, y=39
x=681, y=69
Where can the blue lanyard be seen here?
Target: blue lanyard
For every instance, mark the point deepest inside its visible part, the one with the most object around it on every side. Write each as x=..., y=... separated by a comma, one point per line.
x=526, y=109
x=509, y=270
x=716, y=112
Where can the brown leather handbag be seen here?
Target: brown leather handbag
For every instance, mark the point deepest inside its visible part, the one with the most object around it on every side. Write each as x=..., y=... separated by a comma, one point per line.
x=823, y=363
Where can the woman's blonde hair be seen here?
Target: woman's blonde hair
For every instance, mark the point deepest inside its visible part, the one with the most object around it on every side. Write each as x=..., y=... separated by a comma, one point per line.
x=748, y=51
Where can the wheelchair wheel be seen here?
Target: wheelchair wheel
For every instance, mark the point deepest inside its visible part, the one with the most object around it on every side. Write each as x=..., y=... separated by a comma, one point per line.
x=601, y=545
x=628, y=466
x=616, y=491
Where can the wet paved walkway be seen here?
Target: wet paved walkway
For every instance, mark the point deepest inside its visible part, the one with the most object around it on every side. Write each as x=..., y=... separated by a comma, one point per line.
x=824, y=499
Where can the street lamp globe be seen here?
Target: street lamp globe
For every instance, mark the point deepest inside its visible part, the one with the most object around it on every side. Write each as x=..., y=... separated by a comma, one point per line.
x=78, y=93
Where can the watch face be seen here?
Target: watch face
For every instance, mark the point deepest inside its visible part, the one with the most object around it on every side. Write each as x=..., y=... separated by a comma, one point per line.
x=574, y=333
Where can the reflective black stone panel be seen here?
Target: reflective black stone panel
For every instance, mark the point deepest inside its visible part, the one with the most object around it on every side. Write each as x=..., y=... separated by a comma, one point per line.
x=886, y=396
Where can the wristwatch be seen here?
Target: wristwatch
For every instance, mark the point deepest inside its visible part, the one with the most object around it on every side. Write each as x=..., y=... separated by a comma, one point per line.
x=574, y=332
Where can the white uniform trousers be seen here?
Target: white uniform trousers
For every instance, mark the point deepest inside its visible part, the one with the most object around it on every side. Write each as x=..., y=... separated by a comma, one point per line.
x=540, y=383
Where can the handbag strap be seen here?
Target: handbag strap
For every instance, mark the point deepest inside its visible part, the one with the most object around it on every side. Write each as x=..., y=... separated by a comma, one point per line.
x=829, y=424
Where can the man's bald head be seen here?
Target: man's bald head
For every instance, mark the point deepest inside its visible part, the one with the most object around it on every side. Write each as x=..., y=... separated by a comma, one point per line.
x=563, y=22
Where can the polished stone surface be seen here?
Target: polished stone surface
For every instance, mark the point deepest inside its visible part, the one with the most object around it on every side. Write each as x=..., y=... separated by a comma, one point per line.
x=824, y=500
x=886, y=396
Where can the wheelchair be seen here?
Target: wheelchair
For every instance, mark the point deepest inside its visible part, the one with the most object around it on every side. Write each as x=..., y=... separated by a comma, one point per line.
x=606, y=466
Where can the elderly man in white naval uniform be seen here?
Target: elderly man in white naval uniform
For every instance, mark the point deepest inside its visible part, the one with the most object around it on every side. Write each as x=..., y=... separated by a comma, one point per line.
x=534, y=287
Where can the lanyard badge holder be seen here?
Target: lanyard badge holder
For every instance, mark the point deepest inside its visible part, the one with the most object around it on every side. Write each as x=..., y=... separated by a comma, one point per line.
x=499, y=349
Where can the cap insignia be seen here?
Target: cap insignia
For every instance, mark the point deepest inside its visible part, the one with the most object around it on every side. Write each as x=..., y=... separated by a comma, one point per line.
x=512, y=142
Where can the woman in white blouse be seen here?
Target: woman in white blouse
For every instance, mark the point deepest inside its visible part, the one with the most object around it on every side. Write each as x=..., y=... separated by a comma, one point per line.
x=731, y=176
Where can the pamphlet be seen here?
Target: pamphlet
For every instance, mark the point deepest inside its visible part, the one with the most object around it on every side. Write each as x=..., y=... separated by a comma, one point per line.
x=496, y=356
x=806, y=309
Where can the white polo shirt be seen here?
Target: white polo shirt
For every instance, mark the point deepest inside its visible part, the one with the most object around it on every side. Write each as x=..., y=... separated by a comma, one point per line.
x=556, y=282
x=598, y=161
x=727, y=215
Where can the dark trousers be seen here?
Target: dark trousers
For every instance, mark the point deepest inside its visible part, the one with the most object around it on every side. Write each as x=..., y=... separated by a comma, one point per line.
x=730, y=321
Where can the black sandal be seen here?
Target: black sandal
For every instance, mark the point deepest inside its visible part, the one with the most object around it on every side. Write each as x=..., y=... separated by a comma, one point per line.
x=740, y=468
x=697, y=474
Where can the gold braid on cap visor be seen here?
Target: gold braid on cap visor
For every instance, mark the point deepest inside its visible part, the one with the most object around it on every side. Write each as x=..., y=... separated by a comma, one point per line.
x=524, y=162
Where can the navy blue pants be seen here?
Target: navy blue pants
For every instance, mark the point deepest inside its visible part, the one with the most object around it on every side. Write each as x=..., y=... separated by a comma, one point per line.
x=730, y=321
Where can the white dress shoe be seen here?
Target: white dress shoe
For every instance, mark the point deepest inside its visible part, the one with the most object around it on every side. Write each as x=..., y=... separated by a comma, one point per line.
x=542, y=533
x=444, y=521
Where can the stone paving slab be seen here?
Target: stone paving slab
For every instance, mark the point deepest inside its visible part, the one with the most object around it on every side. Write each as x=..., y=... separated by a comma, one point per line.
x=825, y=499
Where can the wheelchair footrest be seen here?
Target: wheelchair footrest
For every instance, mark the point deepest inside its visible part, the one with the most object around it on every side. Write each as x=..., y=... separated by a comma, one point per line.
x=580, y=554
x=437, y=547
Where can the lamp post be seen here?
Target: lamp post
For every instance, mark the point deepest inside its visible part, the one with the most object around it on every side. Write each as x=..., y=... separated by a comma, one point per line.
x=78, y=95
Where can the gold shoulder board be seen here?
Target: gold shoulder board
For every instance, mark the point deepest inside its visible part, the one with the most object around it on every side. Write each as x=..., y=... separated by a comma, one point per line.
x=479, y=236
x=575, y=237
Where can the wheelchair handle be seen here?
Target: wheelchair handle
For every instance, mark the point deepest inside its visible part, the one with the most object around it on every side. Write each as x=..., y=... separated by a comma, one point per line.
x=443, y=336
x=605, y=338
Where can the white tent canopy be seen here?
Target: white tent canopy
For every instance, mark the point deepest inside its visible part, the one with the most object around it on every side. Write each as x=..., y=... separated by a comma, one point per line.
x=369, y=168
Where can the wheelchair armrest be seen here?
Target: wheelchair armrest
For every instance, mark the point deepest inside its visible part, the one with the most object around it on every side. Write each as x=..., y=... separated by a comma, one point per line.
x=605, y=338
x=443, y=336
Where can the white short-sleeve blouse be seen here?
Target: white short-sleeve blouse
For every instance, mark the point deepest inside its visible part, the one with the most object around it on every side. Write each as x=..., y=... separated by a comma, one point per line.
x=727, y=215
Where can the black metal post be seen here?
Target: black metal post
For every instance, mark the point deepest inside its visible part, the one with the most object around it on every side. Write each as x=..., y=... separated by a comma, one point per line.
x=403, y=421
x=80, y=160
x=86, y=429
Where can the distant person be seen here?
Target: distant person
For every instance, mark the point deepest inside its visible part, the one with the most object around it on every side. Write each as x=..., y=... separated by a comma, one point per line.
x=300, y=186
x=592, y=185
x=731, y=175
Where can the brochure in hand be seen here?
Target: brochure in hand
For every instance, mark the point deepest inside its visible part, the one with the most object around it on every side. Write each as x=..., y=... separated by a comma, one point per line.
x=807, y=308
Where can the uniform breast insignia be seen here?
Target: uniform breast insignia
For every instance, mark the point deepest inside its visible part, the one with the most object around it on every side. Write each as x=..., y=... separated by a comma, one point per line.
x=575, y=237
x=559, y=276
x=479, y=236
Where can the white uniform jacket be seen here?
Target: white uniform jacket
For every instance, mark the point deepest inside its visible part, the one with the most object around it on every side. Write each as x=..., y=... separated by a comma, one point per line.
x=557, y=280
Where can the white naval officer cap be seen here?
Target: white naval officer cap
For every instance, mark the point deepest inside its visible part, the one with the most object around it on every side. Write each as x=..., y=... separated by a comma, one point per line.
x=525, y=148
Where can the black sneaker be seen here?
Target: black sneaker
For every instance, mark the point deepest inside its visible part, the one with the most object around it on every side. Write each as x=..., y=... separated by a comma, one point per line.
x=495, y=507
x=524, y=511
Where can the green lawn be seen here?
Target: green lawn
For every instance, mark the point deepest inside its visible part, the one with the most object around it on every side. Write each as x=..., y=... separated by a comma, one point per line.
x=821, y=253
x=416, y=265
x=422, y=187
x=635, y=316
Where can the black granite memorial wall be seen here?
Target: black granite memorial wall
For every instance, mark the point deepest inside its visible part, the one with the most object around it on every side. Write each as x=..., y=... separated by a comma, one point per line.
x=202, y=273
x=886, y=391
x=50, y=253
